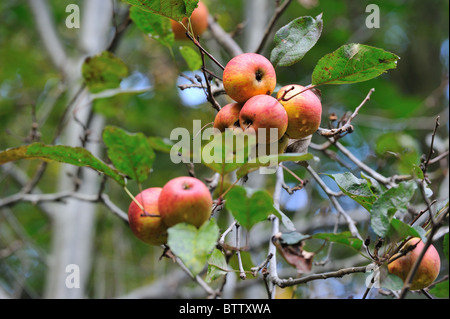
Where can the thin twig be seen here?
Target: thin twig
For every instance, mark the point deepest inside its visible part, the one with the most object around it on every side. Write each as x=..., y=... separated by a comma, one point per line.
x=278, y=12
x=242, y=274
x=347, y=127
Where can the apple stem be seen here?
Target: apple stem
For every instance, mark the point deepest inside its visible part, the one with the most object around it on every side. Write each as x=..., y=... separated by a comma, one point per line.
x=282, y=98
x=145, y=213
x=204, y=51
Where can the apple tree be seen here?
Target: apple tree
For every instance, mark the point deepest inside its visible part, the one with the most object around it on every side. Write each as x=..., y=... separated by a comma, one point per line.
x=105, y=100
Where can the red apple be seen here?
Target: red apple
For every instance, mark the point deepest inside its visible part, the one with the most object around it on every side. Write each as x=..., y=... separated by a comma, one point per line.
x=199, y=23
x=264, y=112
x=304, y=110
x=428, y=269
x=247, y=75
x=228, y=117
x=185, y=200
x=149, y=229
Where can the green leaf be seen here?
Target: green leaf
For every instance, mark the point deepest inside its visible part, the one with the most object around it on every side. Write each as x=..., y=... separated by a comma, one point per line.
x=160, y=144
x=130, y=153
x=357, y=189
x=77, y=156
x=103, y=71
x=399, y=230
x=192, y=58
x=440, y=290
x=271, y=160
x=158, y=27
x=403, y=148
x=292, y=238
x=193, y=245
x=216, y=262
x=353, y=63
x=295, y=39
x=345, y=238
x=394, y=199
x=172, y=9
x=249, y=210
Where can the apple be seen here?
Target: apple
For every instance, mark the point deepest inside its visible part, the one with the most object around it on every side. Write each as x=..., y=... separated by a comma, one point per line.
x=264, y=112
x=148, y=228
x=304, y=110
x=247, y=75
x=199, y=23
x=428, y=269
x=185, y=199
x=228, y=117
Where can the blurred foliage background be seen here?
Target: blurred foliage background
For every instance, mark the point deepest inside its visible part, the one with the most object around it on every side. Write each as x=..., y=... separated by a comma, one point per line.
x=391, y=132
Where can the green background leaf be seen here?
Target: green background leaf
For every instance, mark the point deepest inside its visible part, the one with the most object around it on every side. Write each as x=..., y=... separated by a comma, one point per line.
x=103, y=71
x=192, y=58
x=172, y=9
x=153, y=24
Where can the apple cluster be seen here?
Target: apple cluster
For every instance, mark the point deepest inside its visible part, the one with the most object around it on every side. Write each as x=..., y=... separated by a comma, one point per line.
x=250, y=79
x=181, y=200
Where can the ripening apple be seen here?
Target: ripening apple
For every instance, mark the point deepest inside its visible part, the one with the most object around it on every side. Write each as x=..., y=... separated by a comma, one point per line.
x=228, y=117
x=428, y=269
x=185, y=199
x=264, y=112
x=304, y=110
x=148, y=228
x=247, y=75
x=199, y=23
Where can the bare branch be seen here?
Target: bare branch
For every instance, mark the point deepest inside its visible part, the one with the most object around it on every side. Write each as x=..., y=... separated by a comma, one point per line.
x=278, y=12
x=47, y=32
x=223, y=38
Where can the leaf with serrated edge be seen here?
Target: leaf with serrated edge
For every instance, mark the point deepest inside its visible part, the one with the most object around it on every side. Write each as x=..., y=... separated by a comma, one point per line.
x=353, y=63
x=193, y=245
x=384, y=208
x=103, y=71
x=345, y=238
x=249, y=210
x=77, y=156
x=295, y=39
x=172, y=9
x=158, y=27
x=130, y=153
x=216, y=264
